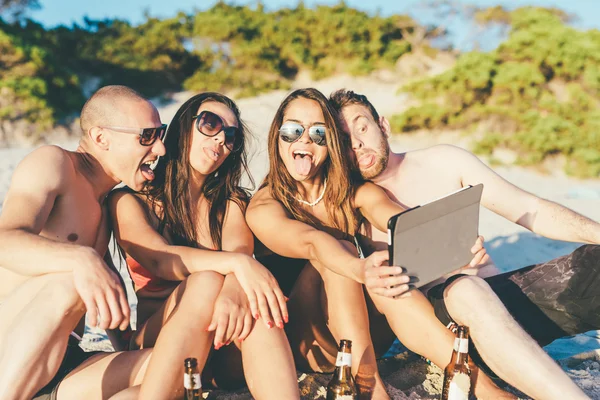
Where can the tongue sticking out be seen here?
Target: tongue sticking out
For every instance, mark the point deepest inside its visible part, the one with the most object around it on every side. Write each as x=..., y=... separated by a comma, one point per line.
x=302, y=164
x=147, y=172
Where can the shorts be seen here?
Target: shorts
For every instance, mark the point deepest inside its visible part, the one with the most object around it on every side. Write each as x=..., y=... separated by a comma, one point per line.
x=74, y=357
x=550, y=300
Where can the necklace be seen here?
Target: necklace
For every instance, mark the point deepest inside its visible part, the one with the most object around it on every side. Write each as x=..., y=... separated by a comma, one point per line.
x=314, y=203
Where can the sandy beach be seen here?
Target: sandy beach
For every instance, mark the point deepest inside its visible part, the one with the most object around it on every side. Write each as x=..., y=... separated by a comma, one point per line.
x=509, y=245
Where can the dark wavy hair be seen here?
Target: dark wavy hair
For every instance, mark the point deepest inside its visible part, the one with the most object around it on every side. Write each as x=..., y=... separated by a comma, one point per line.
x=341, y=173
x=169, y=191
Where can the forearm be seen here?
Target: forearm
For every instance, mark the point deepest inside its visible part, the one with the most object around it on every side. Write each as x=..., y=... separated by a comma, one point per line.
x=558, y=222
x=177, y=262
x=28, y=254
x=333, y=255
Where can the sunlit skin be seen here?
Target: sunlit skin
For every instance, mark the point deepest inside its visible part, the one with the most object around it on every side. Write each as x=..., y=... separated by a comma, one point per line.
x=208, y=153
x=55, y=232
x=206, y=296
x=416, y=177
x=307, y=113
x=126, y=154
x=369, y=139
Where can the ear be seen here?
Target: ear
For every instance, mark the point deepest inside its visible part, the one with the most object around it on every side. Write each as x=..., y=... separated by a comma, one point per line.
x=99, y=137
x=384, y=124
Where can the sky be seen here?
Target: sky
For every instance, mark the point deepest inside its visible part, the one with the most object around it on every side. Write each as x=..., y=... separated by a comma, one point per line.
x=56, y=12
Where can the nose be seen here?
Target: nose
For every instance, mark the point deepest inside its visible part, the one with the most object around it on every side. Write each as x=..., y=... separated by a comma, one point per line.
x=158, y=148
x=220, y=137
x=305, y=138
x=357, y=143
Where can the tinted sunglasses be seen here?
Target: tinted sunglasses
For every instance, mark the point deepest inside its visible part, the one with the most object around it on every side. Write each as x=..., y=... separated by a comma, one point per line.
x=210, y=124
x=292, y=131
x=147, y=135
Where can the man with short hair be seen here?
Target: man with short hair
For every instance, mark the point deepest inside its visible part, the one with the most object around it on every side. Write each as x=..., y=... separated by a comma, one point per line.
x=549, y=300
x=54, y=234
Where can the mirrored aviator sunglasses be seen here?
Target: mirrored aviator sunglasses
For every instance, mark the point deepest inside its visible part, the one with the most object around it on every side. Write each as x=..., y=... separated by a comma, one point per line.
x=149, y=135
x=291, y=131
x=210, y=124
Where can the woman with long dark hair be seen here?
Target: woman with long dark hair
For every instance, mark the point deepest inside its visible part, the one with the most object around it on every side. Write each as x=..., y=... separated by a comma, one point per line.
x=310, y=207
x=189, y=252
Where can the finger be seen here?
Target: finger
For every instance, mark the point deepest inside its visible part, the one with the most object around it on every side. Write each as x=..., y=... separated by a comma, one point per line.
x=220, y=332
x=231, y=328
x=263, y=306
x=282, y=304
x=386, y=281
x=213, y=322
x=104, y=312
x=125, y=309
x=392, y=292
x=478, y=245
x=485, y=259
x=248, y=324
x=383, y=271
x=478, y=258
x=116, y=316
x=391, y=281
x=274, y=307
x=239, y=327
x=91, y=309
x=403, y=291
x=253, y=301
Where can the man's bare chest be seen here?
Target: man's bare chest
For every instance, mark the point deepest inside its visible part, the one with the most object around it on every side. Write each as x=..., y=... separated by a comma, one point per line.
x=77, y=218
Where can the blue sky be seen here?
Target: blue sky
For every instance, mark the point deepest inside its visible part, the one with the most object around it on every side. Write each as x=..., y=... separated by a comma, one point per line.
x=68, y=11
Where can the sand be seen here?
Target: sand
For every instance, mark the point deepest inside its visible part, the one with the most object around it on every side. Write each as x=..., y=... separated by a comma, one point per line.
x=407, y=375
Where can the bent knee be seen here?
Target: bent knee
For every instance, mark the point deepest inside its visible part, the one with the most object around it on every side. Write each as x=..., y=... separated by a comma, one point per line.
x=205, y=281
x=201, y=290
x=466, y=292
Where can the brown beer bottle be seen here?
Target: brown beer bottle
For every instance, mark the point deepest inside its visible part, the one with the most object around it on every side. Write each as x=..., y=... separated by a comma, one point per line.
x=191, y=380
x=342, y=386
x=457, y=375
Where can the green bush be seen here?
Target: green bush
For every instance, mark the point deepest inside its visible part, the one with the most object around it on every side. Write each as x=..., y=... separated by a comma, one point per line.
x=540, y=87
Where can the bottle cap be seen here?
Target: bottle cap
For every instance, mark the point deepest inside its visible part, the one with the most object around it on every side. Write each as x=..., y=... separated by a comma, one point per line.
x=346, y=343
x=191, y=363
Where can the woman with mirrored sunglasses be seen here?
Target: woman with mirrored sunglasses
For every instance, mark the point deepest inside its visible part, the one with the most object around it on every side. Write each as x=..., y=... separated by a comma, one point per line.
x=189, y=253
x=308, y=213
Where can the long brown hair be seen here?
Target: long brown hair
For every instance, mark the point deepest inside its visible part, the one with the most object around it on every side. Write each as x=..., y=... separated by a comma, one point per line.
x=340, y=172
x=170, y=192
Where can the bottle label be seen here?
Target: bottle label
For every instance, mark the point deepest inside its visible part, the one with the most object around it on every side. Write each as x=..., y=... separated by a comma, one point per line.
x=343, y=359
x=192, y=381
x=459, y=387
x=463, y=347
x=456, y=343
x=344, y=397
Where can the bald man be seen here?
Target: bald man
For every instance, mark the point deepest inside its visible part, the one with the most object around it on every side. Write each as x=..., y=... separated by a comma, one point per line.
x=54, y=235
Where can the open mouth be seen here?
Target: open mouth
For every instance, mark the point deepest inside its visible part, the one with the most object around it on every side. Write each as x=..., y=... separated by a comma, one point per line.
x=147, y=169
x=302, y=161
x=366, y=160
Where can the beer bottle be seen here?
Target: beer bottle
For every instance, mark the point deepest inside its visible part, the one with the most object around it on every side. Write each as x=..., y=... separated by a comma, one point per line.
x=342, y=386
x=457, y=375
x=191, y=380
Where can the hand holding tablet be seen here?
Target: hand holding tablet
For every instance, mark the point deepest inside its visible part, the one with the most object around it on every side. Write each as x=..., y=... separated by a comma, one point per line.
x=436, y=238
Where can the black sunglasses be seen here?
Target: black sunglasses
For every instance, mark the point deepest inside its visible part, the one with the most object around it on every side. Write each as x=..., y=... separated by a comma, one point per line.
x=147, y=135
x=210, y=124
x=292, y=131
